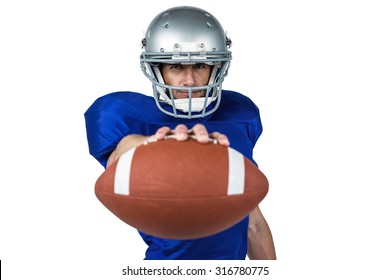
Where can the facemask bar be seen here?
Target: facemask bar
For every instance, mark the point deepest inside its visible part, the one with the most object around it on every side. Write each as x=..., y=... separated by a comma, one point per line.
x=188, y=107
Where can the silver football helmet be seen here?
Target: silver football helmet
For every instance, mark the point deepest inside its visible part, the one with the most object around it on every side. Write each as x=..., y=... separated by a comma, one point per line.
x=186, y=35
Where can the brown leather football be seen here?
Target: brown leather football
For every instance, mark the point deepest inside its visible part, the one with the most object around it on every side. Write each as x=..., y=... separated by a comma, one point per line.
x=181, y=189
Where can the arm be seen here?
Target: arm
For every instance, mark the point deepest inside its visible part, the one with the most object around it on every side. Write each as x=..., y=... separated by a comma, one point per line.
x=260, y=242
x=124, y=145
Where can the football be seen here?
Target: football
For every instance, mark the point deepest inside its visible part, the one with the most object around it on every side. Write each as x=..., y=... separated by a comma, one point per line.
x=181, y=189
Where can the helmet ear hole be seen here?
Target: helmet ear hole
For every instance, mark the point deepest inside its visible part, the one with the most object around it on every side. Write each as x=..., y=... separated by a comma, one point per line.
x=228, y=42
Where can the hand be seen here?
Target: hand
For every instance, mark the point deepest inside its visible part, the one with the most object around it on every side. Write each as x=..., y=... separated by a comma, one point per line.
x=127, y=142
x=201, y=134
x=181, y=132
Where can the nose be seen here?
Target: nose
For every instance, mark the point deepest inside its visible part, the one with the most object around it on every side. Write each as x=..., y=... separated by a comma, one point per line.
x=189, y=77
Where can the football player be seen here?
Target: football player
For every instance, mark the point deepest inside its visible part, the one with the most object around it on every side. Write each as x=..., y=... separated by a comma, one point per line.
x=186, y=56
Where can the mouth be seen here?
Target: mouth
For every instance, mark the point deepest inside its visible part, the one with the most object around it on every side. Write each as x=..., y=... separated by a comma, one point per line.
x=186, y=94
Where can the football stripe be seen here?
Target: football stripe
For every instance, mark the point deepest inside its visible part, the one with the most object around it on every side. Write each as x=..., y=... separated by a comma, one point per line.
x=122, y=173
x=236, y=183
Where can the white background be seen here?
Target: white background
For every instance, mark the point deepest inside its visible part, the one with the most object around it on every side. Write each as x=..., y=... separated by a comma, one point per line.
x=318, y=70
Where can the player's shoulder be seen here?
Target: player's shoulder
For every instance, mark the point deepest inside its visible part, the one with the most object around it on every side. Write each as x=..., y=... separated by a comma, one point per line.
x=238, y=103
x=231, y=95
x=127, y=101
x=123, y=97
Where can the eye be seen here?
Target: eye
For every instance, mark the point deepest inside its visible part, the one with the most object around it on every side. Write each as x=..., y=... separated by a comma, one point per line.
x=200, y=66
x=175, y=66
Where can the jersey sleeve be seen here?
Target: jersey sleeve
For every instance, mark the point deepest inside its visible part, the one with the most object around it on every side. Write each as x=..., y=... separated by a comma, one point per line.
x=239, y=108
x=256, y=126
x=107, y=121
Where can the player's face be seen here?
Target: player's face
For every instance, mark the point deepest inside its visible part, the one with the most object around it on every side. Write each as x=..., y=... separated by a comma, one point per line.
x=189, y=75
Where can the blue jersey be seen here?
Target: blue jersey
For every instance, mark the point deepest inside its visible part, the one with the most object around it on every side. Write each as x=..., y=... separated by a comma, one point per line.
x=115, y=115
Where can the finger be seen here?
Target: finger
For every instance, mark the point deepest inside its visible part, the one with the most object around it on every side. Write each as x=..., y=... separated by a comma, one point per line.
x=222, y=139
x=181, y=132
x=162, y=132
x=201, y=133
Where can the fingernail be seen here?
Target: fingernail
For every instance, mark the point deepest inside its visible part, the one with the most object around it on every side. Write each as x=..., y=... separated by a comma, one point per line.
x=181, y=136
x=225, y=142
